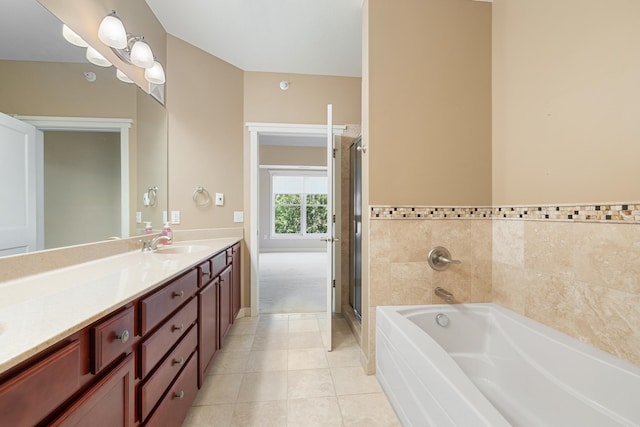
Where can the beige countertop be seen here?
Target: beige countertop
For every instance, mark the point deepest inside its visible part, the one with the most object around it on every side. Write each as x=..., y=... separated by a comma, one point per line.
x=39, y=310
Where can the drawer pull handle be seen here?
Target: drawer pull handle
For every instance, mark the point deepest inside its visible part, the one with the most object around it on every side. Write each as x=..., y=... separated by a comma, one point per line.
x=179, y=394
x=123, y=337
x=178, y=361
x=177, y=328
x=177, y=294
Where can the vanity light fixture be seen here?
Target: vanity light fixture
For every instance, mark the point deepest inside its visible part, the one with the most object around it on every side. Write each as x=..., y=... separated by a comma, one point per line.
x=140, y=53
x=96, y=58
x=129, y=48
x=123, y=77
x=112, y=33
x=155, y=74
x=73, y=38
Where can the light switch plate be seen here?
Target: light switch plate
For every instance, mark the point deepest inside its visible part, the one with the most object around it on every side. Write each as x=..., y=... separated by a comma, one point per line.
x=238, y=216
x=219, y=199
x=175, y=217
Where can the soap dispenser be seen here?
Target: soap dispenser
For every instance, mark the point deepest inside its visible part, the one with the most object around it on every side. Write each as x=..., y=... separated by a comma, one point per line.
x=148, y=229
x=166, y=231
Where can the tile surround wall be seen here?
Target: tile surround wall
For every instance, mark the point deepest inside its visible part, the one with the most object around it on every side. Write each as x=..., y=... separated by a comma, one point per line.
x=574, y=268
x=398, y=269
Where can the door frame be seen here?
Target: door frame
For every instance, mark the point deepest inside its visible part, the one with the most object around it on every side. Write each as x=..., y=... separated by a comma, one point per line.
x=255, y=131
x=85, y=124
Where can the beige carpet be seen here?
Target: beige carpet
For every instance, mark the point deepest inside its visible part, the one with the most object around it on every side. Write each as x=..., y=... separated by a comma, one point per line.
x=293, y=282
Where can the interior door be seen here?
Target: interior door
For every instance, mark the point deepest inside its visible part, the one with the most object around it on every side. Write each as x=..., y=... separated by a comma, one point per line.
x=331, y=226
x=18, y=228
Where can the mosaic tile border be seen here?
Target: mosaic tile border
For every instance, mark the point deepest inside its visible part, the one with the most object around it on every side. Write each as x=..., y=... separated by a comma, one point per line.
x=628, y=213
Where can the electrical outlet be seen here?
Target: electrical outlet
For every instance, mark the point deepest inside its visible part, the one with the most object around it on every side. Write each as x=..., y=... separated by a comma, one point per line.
x=238, y=216
x=138, y=217
x=165, y=217
x=175, y=217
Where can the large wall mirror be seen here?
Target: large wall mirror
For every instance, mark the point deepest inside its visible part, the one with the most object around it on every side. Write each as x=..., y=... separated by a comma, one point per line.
x=42, y=76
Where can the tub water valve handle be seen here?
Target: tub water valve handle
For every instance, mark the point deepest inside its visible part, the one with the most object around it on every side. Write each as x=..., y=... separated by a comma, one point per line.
x=439, y=258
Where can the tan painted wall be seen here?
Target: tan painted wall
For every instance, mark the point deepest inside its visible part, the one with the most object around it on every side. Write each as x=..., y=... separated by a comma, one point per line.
x=84, y=18
x=429, y=91
x=152, y=151
x=296, y=156
x=81, y=187
x=204, y=102
x=60, y=89
x=566, y=101
x=305, y=102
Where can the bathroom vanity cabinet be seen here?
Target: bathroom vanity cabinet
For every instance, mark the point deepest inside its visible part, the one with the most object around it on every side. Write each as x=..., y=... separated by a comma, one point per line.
x=142, y=364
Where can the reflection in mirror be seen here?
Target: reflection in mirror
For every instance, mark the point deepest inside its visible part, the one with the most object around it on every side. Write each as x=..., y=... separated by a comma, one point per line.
x=46, y=76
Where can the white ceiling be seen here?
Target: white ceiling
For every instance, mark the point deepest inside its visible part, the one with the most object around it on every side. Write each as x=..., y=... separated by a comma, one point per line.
x=287, y=36
x=29, y=32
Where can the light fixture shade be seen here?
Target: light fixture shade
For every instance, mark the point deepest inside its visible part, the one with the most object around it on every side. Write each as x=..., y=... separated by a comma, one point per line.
x=141, y=55
x=96, y=58
x=112, y=33
x=70, y=36
x=123, y=77
x=155, y=74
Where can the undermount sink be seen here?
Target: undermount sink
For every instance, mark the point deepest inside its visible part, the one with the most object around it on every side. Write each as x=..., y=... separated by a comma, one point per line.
x=180, y=249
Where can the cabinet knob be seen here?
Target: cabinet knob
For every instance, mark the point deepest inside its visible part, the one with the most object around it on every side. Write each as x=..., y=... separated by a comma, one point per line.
x=178, y=361
x=177, y=328
x=123, y=337
x=179, y=294
x=178, y=394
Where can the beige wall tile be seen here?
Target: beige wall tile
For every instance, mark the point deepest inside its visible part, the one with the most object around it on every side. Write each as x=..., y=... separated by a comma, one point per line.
x=608, y=254
x=580, y=278
x=549, y=248
x=509, y=286
x=508, y=242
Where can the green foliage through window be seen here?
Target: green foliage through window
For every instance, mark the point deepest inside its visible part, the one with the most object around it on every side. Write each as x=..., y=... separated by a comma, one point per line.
x=291, y=209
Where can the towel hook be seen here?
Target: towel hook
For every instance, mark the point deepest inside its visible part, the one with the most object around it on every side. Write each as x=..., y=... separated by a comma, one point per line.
x=152, y=194
x=201, y=197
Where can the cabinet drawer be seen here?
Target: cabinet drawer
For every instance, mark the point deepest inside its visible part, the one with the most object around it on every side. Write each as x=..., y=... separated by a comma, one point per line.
x=218, y=263
x=40, y=389
x=176, y=403
x=156, y=385
x=108, y=403
x=156, y=346
x=111, y=338
x=205, y=272
x=160, y=304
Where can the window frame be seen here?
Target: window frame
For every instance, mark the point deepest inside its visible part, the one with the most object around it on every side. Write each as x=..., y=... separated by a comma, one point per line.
x=303, y=235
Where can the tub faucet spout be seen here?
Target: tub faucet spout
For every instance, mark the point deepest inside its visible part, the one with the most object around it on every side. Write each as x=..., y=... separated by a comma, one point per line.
x=443, y=293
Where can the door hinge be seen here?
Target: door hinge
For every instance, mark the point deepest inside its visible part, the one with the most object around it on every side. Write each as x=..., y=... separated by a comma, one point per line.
x=334, y=218
x=334, y=283
x=335, y=150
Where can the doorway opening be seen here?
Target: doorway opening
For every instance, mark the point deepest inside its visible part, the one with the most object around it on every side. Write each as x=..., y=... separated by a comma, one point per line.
x=269, y=132
x=119, y=127
x=293, y=223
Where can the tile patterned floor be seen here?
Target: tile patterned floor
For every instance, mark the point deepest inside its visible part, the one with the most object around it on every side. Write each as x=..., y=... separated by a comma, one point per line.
x=274, y=371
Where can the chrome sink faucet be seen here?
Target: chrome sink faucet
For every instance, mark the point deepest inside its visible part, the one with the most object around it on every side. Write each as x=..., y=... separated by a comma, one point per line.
x=152, y=245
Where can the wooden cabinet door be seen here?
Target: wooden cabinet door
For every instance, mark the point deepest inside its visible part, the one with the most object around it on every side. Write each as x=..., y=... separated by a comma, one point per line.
x=109, y=403
x=235, y=278
x=207, y=327
x=37, y=391
x=225, y=303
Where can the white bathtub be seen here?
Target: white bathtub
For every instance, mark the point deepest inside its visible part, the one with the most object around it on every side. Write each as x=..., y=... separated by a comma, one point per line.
x=492, y=367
